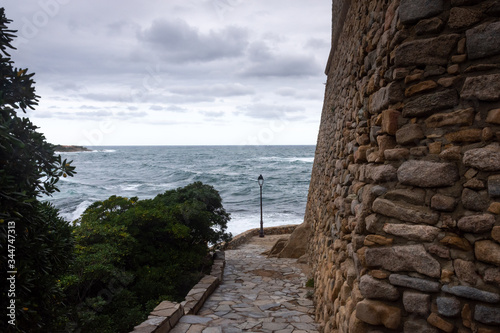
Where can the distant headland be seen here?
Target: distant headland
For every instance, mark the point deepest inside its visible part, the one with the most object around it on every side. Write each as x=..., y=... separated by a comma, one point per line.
x=70, y=149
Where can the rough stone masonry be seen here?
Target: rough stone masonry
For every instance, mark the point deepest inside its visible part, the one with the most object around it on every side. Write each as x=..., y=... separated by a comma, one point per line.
x=404, y=201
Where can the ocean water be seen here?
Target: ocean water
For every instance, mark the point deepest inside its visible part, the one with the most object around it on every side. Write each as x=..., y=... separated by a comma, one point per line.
x=145, y=171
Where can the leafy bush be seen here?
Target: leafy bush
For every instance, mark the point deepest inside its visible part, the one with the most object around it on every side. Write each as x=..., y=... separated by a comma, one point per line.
x=131, y=254
x=41, y=248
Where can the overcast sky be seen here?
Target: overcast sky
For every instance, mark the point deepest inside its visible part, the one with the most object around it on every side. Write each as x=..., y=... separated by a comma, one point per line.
x=174, y=72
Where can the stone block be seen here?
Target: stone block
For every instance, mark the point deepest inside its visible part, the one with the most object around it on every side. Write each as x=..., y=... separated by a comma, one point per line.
x=373, y=223
x=435, y=147
x=423, y=233
x=492, y=275
x=380, y=173
x=416, y=302
x=356, y=325
x=448, y=306
x=460, y=58
x=461, y=117
x=476, y=223
x=411, y=11
x=451, y=154
x=439, y=250
x=396, y=154
x=494, y=186
x=410, y=134
x=487, y=251
x=378, y=313
x=390, y=120
x=484, y=159
x=483, y=40
x=405, y=212
x=465, y=135
x=466, y=271
x=420, y=87
x=377, y=240
x=414, y=196
x=443, y=203
x=456, y=242
x=494, y=208
x=471, y=293
x=484, y=87
x=473, y=200
x=461, y=17
x=487, y=314
x=385, y=142
x=430, y=51
x=385, y=96
x=429, y=103
x=429, y=26
x=493, y=117
x=166, y=309
x=495, y=233
x=428, y=174
x=403, y=258
x=440, y=323
x=414, y=283
x=360, y=154
x=475, y=184
x=376, y=289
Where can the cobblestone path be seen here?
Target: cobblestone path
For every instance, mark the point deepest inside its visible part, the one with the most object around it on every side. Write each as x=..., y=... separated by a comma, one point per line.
x=257, y=294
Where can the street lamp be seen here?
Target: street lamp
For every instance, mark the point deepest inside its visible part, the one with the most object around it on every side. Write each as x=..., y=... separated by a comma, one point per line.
x=261, y=182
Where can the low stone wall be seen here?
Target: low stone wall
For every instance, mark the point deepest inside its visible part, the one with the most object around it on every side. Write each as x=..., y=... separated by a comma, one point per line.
x=166, y=315
x=404, y=199
x=245, y=236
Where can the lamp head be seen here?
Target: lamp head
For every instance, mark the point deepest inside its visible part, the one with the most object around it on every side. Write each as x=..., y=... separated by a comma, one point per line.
x=261, y=180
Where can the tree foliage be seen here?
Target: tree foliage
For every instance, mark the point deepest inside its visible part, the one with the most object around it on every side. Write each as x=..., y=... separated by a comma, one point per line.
x=29, y=168
x=131, y=254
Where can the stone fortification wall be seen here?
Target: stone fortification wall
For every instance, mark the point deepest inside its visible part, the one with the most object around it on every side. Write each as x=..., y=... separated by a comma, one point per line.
x=404, y=200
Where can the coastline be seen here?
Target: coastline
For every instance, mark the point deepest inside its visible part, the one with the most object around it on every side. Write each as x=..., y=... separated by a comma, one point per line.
x=70, y=149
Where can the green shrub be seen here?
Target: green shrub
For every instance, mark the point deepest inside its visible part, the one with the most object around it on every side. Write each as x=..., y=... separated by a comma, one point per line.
x=131, y=254
x=28, y=169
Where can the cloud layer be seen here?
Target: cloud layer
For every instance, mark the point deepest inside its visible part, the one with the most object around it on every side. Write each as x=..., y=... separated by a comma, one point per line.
x=214, y=71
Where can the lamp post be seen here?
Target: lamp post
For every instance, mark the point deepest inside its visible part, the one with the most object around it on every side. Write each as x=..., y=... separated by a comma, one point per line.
x=261, y=182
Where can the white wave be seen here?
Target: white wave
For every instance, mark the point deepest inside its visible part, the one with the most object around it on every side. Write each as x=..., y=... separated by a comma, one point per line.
x=241, y=223
x=301, y=159
x=71, y=216
x=288, y=159
x=131, y=187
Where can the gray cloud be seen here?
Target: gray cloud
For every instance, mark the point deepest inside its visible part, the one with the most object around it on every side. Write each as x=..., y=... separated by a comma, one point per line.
x=269, y=111
x=175, y=108
x=317, y=43
x=88, y=107
x=218, y=90
x=212, y=114
x=156, y=107
x=175, y=62
x=286, y=91
x=177, y=40
x=130, y=114
x=90, y=115
x=283, y=66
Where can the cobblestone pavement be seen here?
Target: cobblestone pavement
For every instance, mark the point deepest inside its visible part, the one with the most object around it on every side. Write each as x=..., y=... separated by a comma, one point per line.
x=257, y=294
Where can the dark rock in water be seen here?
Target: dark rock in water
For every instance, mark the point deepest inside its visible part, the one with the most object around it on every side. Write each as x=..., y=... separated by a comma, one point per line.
x=70, y=149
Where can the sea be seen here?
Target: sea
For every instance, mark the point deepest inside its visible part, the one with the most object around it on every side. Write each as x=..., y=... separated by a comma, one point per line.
x=145, y=171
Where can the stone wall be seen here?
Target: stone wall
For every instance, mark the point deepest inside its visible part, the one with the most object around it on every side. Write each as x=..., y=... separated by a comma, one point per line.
x=404, y=200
